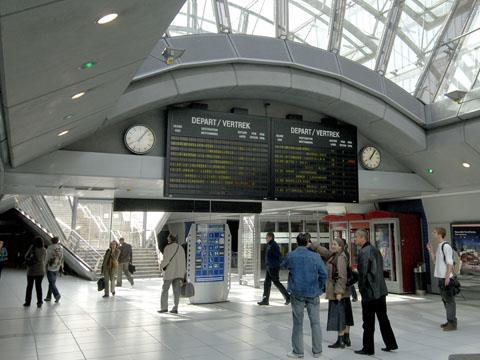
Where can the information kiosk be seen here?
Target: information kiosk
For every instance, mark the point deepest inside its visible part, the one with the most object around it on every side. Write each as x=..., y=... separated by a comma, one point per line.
x=208, y=262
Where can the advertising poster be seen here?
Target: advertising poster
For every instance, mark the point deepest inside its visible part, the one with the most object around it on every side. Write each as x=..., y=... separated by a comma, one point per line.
x=466, y=240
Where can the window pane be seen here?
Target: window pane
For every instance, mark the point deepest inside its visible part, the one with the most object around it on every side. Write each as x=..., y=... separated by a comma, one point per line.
x=196, y=16
x=128, y=225
x=252, y=17
x=93, y=222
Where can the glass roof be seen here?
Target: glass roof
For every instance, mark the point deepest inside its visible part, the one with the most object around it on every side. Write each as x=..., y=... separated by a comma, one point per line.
x=416, y=35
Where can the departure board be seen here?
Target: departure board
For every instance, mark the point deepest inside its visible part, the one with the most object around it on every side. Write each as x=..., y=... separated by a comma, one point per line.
x=313, y=162
x=217, y=155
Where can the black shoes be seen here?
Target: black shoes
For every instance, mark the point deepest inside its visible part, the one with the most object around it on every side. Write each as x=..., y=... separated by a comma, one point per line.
x=47, y=299
x=174, y=311
x=364, y=352
x=388, y=349
x=26, y=305
x=443, y=325
x=339, y=344
x=162, y=311
x=263, y=302
x=346, y=339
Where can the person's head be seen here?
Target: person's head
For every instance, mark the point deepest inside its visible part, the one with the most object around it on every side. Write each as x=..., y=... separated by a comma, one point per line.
x=309, y=238
x=121, y=241
x=113, y=244
x=301, y=239
x=361, y=237
x=172, y=238
x=54, y=240
x=439, y=233
x=337, y=245
x=270, y=236
x=38, y=242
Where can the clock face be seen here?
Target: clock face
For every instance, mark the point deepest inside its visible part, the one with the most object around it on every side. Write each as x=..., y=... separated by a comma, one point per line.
x=370, y=157
x=139, y=139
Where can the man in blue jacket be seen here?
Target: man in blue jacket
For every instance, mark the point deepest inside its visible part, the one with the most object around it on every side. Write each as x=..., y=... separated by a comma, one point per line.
x=305, y=283
x=272, y=266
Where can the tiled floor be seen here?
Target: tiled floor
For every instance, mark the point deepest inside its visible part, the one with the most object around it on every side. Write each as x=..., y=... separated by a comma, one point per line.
x=86, y=326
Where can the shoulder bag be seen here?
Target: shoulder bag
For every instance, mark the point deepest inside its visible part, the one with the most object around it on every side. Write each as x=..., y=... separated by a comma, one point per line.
x=165, y=267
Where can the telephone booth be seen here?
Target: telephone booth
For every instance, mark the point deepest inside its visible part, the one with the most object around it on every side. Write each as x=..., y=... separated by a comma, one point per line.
x=398, y=237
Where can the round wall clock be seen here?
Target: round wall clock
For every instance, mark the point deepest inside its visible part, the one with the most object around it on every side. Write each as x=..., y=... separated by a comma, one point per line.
x=370, y=157
x=139, y=139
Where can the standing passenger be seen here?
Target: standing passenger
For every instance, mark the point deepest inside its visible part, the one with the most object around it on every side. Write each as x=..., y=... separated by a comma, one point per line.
x=340, y=315
x=175, y=270
x=35, y=260
x=124, y=259
x=305, y=281
x=3, y=257
x=109, y=267
x=272, y=267
x=373, y=289
x=54, y=262
x=443, y=260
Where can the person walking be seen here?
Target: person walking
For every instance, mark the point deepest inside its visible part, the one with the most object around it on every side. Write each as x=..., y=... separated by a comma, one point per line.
x=305, y=283
x=35, y=260
x=124, y=259
x=54, y=262
x=110, y=268
x=3, y=256
x=340, y=315
x=443, y=260
x=373, y=289
x=272, y=267
x=174, y=271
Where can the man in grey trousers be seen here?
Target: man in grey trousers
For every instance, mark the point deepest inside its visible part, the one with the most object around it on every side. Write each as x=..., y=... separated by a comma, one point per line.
x=124, y=259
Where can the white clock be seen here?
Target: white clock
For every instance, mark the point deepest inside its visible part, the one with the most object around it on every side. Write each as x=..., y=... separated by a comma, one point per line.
x=139, y=139
x=370, y=157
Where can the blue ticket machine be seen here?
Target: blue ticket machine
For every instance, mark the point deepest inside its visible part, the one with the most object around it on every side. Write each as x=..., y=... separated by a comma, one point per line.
x=208, y=262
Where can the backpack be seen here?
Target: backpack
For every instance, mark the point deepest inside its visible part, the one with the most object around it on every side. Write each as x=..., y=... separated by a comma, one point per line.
x=57, y=257
x=457, y=262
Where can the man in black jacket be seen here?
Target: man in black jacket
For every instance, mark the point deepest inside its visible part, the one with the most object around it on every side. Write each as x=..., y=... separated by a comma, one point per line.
x=272, y=266
x=124, y=259
x=373, y=289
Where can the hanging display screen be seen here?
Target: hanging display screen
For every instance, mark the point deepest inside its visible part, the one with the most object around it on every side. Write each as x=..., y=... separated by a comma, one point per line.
x=313, y=162
x=214, y=155
x=217, y=155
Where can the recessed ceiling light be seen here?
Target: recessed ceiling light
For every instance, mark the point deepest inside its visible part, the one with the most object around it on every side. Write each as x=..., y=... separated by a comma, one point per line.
x=78, y=95
x=107, y=18
x=68, y=117
x=65, y=132
x=466, y=165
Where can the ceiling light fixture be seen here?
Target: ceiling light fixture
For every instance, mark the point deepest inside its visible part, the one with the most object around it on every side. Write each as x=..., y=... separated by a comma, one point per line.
x=87, y=65
x=78, y=95
x=466, y=165
x=430, y=170
x=170, y=54
x=107, y=18
x=65, y=132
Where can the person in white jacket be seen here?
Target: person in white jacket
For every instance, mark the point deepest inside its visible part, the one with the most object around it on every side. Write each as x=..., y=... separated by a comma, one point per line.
x=54, y=262
x=174, y=270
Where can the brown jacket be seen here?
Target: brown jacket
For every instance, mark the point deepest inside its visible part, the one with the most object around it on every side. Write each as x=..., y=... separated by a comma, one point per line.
x=110, y=262
x=337, y=286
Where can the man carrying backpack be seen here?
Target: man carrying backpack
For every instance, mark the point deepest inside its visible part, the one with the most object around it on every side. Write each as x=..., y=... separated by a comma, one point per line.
x=443, y=260
x=54, y=261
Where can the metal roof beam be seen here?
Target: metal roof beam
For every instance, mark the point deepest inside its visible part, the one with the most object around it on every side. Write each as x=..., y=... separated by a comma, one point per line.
x=281, y=19
x=222, y=16
x=336, y=25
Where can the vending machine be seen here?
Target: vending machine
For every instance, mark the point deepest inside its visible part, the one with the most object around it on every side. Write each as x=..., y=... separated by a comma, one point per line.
x=398, y=238
x=208, y=262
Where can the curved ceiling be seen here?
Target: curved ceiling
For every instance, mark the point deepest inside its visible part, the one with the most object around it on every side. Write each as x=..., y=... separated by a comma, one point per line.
x=428, y=47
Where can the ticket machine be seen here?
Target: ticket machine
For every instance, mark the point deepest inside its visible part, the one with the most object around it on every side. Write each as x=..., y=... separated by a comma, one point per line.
x=208, y=262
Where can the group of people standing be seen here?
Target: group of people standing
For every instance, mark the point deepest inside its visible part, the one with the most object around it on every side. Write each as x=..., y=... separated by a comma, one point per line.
x=313, y=268
x=41, y=261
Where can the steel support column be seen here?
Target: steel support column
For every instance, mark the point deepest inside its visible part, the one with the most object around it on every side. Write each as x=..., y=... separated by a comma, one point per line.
x=281, y=19
x=336, y=25
x=222, y=16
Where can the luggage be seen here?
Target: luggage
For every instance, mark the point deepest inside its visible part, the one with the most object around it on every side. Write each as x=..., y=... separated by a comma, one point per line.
x=187, y=290
x=101, y=284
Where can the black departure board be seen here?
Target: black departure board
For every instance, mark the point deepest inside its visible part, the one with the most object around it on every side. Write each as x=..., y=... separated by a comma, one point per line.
x=313, y=162
x=215, y=155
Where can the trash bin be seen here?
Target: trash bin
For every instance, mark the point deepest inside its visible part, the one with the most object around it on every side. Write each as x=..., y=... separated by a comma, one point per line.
x=420, y=280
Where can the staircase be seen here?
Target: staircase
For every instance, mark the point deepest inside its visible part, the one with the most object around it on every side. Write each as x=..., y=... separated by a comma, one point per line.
x=145, y=261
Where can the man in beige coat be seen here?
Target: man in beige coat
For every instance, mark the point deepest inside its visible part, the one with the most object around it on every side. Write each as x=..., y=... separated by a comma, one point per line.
x=174, y=271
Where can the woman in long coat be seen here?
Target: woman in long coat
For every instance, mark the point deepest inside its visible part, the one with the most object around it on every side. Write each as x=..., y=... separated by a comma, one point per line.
x=340, y=315
x=35, y=259
x=110, y=267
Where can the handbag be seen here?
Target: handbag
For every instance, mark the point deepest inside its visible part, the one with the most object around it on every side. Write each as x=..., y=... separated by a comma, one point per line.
x=187, y=289
x=131, y=268
x=101, y=284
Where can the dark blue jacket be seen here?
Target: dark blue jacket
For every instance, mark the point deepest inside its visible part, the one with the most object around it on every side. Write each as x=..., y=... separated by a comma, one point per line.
x=272, y=255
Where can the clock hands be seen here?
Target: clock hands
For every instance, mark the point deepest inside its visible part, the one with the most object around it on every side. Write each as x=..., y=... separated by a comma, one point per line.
x=374, y=151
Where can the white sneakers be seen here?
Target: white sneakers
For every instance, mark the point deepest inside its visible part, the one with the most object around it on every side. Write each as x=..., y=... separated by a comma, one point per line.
x=292, y=355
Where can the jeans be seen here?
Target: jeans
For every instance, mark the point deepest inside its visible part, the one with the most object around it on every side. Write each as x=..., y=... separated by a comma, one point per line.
x=38, y=289
x=110, y=279
x=272, y=275
x=52, y=287
x=313, y=310
x=123, y=267
x=448, y=300
x=369, y=309
x=176, y=284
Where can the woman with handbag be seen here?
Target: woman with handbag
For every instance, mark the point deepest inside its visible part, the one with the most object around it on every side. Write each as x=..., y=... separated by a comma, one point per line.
x=35, y=261
x=110, y=267
x=340, y=315
x=174, y=271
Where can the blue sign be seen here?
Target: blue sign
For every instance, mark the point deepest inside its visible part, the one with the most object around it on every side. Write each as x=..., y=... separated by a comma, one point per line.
x=210, y=253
